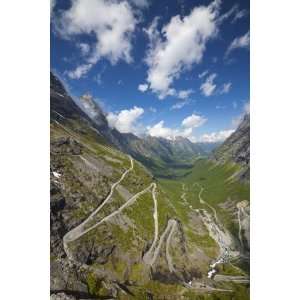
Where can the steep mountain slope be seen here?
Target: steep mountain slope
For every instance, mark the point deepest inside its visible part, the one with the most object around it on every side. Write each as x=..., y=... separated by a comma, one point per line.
x=118, y=233
x=236, y=148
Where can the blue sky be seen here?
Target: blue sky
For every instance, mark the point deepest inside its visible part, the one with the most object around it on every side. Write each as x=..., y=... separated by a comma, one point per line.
x=164, y=68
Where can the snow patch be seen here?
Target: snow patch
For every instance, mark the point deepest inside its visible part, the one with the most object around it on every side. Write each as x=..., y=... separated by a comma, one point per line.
x=57, y=175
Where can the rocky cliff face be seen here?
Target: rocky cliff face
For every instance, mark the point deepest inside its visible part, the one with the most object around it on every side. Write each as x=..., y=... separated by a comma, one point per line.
x=236, y=148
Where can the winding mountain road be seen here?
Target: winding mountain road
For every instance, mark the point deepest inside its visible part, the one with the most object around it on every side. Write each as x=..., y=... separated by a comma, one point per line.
x=119, y=210
x=242, y=216
x=183, y=194
x=237, y=279
x=79, y=230
x=168, y=256
x=151, y=255
x=240, y=227
x=151, y=260
x=147, y=255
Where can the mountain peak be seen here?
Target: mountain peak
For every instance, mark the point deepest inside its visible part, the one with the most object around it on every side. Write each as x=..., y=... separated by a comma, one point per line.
x=92, y=109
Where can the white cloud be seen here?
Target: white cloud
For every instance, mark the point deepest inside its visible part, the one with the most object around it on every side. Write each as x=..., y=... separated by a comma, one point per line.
x=228, y=13
x=179, y=105
x=169, y=92
x=203, y=74
x=158, y=130
x=239, y=15
x=193, y=121
x=239, y=42
x=184, y=94
x=215, y=137
x=187, y=133
x=208, y=87
x=179, y=45
x=80, y=71
x=226, y=88
x=111, y=22
x=126, y=120
x=143, y=87
x=84, y=48
x=235, y=12
x=186, y=129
